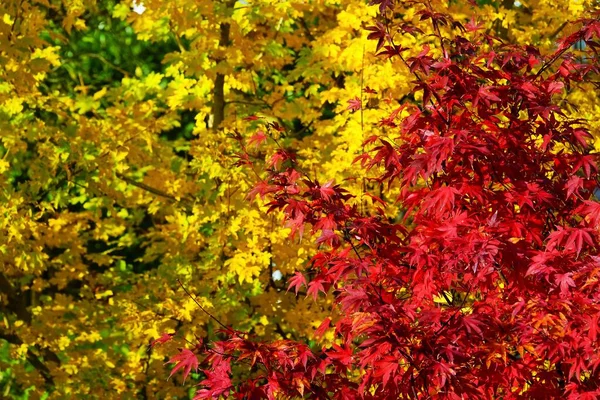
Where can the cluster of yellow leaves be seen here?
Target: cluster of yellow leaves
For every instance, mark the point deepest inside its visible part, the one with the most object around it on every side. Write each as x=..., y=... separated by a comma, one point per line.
x=102, y=216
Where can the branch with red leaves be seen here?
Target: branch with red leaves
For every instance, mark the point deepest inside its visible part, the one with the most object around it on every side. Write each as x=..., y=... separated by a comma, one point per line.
x=490, y=289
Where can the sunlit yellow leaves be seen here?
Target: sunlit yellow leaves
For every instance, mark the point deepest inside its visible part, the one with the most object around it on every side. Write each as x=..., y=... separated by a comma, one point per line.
x=63, y=342
x=190, y=308
x=121, y=10
x=12, y=106
x=100, y=94
x=5, y=87
x=4, y=166
x=264, y=320
x=118, y=385
x=49, y=54
x=112, y=190
x=152, y=333
x=90, y=337
x=21, y=351
x=7, y=19
x=106, y=231
x=70, y=369
x=15, y=233
x=244, y=267
x=106, y=293
x=184, y=224
x=153, y=80
x=11, y=66
x=439, y=298
x=577, y=6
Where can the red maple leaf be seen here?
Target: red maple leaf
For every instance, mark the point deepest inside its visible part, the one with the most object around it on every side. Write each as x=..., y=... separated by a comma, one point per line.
x=281, y=156
x=187, y=360
x=473, y=25
x=296, y=224
x=472, y=324
x=486, y=94
x=590, y=210
x=564, y=282
x=440, y=200
x=297, y=281
x=261, y=188
x=326, y=190
x=576, y=238
x=163, y=339
x=354, y=104
x=323, y=327
x=386, y=368
x=329, y=237
x=494, y=222
x=379, y=32
x=383, y=5
x=582, y=136
x=257, y=139
x=573, y=186
x=217, y=382
x=314, y=287
x=555, y=87
x=343, y=355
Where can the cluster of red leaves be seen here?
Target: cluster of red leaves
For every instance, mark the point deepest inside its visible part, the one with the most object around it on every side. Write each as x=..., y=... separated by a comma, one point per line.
x=490, y=286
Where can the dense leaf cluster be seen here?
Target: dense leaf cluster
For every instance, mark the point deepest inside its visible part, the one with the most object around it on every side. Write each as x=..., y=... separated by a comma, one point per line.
x=490, y=288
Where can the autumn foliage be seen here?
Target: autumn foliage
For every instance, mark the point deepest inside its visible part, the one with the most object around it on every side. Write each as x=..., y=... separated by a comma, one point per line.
x=117, y=179
x=297, y=198
x=485, y=285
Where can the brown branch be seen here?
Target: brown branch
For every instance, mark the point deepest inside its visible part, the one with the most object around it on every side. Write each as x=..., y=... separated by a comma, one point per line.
x=204, y=309
x=145, y=187
x=16, y=300
x=153, y=190
x=218, y=108
x=436, y=28
x=18, y=306
x=108, y=63
x=31, y=357
x=554, y=34
x=309, y=35
x=11, y=34
x=419, y=78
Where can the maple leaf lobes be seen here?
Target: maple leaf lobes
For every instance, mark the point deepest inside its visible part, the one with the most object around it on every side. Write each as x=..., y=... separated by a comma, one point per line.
x=185, y=360
x=354, y=104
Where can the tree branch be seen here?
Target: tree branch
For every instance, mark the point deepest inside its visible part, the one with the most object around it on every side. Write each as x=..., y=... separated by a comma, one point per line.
x=218, y=109
x=31, y=357
x=154, y=191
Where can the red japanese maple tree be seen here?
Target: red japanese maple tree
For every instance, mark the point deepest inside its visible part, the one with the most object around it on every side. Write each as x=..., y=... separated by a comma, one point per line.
x=490, y=286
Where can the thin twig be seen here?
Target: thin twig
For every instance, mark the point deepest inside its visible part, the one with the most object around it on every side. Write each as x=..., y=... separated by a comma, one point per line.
x=362, y=82
x=558, y=30
x=204, y=309
x=105, y=61
x=419, y=78
x=153, y=190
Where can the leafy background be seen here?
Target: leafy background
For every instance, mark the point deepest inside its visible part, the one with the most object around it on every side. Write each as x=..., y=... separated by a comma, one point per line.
x=120, y=124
